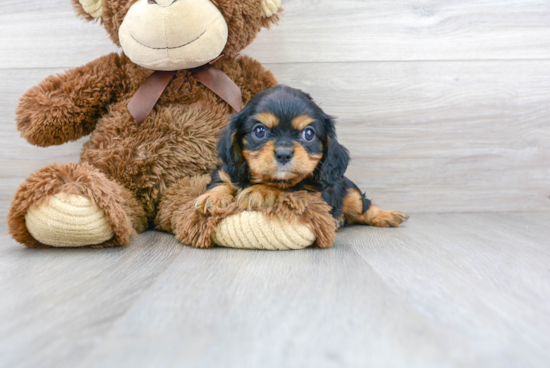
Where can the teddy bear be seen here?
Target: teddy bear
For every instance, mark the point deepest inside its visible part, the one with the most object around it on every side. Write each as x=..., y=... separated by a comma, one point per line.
x=143, y=172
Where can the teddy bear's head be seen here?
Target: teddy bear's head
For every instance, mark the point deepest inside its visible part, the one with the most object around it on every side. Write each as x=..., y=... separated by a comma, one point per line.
x=180, y=34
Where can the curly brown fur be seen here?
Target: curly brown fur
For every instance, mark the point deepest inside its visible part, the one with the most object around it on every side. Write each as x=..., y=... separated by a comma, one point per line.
x=122, y=210
x=177, y=213
x=220, y=196
x=257, y=197
x=66, y=107
x=176, y=141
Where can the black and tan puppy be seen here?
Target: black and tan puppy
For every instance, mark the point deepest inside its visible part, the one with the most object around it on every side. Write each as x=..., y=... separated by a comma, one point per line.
x=283, y=141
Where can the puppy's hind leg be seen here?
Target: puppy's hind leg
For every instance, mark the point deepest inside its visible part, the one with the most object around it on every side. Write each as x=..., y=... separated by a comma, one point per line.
x=359, y=210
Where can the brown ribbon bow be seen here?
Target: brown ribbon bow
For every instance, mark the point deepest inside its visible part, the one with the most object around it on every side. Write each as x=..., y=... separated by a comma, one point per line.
x=211, y=77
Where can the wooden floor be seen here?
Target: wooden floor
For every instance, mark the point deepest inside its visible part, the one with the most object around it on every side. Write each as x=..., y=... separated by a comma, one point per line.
x=445, y=290
x=444, y=107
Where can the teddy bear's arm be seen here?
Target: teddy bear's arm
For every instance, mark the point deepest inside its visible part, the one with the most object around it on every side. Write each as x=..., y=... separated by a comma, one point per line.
x=67, y=106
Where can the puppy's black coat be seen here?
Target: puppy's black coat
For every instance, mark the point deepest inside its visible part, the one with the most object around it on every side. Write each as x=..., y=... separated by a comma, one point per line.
x=283, y=140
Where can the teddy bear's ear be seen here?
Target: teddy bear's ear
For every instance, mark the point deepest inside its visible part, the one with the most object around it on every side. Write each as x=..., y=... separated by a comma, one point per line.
x=270, y=10
x=90, y=9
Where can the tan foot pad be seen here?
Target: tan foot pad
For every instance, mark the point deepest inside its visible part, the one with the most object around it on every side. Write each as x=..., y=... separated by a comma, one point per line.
x=68, y=221
x=270, y=7
x=251, y=230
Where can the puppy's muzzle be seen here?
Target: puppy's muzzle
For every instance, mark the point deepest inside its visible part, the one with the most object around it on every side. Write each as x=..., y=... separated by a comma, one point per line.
x=284, y=155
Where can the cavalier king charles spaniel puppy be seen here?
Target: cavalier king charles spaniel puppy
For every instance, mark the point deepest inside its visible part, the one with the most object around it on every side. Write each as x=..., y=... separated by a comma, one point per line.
x=283, y=141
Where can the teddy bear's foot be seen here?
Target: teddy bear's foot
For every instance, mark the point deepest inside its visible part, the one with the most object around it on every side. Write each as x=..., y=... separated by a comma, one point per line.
x=254, y=230
x=68, y=220
x=296, y=220
x=74, y=205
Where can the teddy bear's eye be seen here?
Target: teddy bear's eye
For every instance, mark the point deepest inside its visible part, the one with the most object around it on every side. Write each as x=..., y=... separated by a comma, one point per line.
x=259, y=132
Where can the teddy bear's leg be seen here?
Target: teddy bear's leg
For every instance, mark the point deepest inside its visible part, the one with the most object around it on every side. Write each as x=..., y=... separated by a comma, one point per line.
x=296, y=221
x=177, y=213
x=74, y=205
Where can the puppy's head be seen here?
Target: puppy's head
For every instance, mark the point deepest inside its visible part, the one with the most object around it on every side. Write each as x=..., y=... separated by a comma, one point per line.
x=280, y=138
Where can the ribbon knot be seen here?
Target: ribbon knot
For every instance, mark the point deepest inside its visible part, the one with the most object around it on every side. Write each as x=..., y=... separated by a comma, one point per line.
x=211, y=77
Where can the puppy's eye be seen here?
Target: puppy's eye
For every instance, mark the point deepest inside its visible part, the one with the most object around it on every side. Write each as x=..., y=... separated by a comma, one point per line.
x=308, y=134
x=259, y=132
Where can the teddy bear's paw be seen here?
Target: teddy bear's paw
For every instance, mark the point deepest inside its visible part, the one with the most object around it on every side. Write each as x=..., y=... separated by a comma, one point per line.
x=92, y=7
x=210, y=202
x=257, y=197
x=270, y=7
x=66, y=220
x=253, y=230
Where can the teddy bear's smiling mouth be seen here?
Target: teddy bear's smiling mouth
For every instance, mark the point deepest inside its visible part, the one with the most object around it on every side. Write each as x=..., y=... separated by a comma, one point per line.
x=170, y=48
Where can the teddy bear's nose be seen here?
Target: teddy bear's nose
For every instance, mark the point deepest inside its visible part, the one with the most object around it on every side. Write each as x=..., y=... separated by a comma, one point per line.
x=163, y=3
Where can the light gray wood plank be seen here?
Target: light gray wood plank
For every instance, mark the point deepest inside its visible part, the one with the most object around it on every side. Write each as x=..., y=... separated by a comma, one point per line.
x=481, y=297
x=312, y=308
x=424, y=137
x=48, y=34
x=361, y=30
x=444, y=290
x=484, y=278
x=56, y=304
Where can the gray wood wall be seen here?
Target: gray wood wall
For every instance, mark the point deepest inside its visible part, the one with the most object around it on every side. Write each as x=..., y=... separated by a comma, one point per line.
x=444, y=105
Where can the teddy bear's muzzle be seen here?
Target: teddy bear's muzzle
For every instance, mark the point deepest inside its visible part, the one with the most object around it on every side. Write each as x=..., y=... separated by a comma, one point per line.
x=168, y=35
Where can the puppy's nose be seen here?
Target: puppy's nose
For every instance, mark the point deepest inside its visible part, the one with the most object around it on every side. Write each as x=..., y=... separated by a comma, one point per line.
x=283, y=155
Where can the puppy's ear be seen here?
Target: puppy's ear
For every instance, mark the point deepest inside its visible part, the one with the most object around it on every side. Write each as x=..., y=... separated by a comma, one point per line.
x=335, y=158
x=230, y=150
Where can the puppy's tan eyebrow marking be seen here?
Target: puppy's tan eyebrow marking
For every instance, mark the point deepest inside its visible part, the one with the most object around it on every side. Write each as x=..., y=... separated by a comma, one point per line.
x=302, y=121
x=267, y=119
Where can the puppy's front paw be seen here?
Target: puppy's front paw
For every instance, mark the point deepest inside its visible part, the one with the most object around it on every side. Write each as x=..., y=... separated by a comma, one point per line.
x=257, y=197
x=209, y=202
x=383, y=218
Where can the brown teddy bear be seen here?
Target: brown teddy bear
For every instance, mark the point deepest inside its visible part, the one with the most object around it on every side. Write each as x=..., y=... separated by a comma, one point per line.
x=140, y=173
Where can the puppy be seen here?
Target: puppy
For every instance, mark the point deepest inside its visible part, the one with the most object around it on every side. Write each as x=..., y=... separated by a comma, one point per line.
x=283, y=141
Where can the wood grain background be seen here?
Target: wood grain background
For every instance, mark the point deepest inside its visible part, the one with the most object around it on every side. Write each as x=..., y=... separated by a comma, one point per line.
x=445, y=290
x=444, y=105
